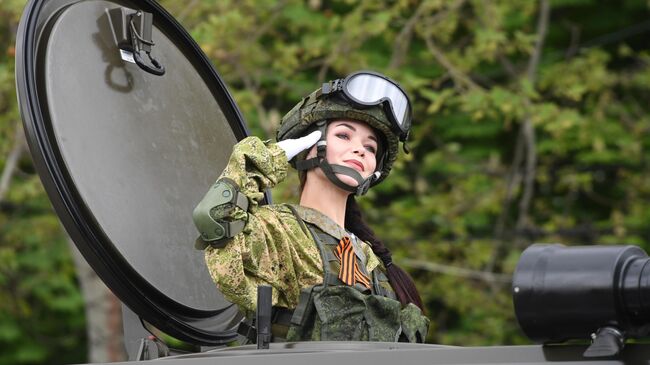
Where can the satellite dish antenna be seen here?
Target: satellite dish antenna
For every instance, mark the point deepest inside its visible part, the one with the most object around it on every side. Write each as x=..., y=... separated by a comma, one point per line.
x=128, y=124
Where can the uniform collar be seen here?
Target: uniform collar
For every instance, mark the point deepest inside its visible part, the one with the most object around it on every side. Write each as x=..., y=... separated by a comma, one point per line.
x=320, y=220
x=327, y=225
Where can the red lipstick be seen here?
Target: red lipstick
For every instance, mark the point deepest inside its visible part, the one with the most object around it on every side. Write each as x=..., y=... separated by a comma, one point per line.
x=356, y=163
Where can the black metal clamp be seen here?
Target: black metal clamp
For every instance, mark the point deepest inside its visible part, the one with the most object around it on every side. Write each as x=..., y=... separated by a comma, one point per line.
x=607, y=341
x=141, y=41
x=133, y=29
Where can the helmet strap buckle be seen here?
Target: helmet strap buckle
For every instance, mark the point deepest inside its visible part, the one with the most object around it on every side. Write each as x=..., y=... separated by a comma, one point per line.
x=321, y=149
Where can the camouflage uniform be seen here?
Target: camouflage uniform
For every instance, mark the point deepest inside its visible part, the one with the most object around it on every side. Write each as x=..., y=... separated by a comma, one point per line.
x=275, y=249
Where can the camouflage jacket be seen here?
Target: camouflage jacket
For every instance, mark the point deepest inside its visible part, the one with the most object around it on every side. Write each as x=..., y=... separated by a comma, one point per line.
x=273, y=248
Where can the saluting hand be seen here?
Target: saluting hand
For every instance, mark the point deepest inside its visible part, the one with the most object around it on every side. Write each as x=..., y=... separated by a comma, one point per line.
x=292, y=147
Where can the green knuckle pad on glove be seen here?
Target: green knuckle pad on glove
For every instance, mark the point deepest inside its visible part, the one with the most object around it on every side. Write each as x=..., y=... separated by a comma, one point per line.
x=217, y=204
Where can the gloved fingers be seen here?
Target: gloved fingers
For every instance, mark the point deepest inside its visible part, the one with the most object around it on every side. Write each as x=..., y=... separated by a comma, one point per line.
x=310, y=139
x=292, y=147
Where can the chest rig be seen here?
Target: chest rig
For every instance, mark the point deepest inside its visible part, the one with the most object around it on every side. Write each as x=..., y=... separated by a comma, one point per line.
x=334, y=311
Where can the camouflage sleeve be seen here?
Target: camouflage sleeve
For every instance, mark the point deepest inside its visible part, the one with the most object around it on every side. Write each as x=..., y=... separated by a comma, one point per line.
x=273, y=250
x=256, y=166
x=253, y=167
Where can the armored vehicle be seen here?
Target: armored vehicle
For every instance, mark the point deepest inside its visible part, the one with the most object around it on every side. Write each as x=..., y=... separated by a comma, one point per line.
x=128, y=122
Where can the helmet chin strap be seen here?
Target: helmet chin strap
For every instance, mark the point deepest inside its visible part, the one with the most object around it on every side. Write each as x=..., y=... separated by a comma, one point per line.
x=331, y=170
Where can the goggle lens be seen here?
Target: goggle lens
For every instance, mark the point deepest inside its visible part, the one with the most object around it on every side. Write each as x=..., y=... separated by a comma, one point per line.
x=371, y=90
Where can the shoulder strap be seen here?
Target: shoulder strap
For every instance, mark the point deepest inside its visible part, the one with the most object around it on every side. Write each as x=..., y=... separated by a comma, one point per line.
x=325, y=254
x=300, y=221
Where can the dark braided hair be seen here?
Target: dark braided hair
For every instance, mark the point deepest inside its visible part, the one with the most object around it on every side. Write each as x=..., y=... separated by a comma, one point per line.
x=401, y=282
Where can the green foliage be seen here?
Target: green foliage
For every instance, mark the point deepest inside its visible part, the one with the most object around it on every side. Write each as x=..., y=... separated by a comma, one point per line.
x=457, y=199
x=41, y=316
x=41, y=311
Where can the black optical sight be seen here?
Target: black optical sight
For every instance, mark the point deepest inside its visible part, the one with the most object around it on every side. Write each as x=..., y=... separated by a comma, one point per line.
x=597, y=292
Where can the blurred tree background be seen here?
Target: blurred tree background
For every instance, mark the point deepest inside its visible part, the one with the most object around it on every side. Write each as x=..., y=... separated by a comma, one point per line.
x=531, y=124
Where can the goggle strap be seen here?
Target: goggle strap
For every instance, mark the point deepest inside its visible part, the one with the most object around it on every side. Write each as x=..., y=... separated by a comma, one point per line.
x=330, y=87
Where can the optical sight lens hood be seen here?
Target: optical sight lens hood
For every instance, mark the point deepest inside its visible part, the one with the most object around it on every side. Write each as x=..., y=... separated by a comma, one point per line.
x=562, y=293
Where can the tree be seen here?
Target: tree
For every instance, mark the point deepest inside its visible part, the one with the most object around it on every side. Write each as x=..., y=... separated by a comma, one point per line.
x=42, y=315
x=531, y=125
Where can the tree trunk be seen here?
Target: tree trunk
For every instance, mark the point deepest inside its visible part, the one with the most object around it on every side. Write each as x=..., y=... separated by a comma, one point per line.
x=103, y=314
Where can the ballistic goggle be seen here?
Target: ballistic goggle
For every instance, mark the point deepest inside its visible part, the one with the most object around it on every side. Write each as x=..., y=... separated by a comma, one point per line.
x=367, y=88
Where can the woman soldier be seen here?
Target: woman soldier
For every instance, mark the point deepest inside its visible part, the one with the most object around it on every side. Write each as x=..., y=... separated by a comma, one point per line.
x=333, y=280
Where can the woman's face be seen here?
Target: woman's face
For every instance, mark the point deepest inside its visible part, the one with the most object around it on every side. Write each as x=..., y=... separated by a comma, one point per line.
x=354, y=145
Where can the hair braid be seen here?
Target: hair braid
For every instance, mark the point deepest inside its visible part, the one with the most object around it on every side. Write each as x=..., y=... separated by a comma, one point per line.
x=399, y=279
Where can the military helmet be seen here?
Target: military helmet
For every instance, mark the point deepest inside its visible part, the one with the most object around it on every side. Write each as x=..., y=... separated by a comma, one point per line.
x=363, y=96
